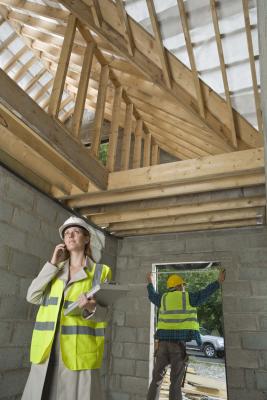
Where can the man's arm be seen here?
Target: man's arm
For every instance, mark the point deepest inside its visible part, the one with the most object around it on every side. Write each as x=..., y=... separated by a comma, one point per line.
x=153, y=296
x=200, y=297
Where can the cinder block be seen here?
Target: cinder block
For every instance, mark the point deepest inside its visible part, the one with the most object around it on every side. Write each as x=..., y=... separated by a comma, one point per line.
x=199, y=244
x=24, y=284
x=13, y=308
x=42, y=205
x=237, y=358
x=263, y=323
x=250, y=377
x=122, y=366
x=118, y=318
x=254, y=340
x=26, y=221
x=115, y=383
x=253, y=305
x=9, y=284
x=6, y=211
x=143, y=335
x=39, y=247
x=261, y=378
x=236, y=377
x=246, y=322
x=50, y=233
x=232, y=340
x=142, y=369
x=136, y=351
x=253, y=273
x=123, y=334
x=10, y=235
x=11, y=357
x=140, y=320
x=230, y=304
x=242, y=288
x=6, y=329
x=24, y=264
x=259, y=288
x=132, y=384
x=4, y=257
x=248, y=256
x=12, y=382
x=245, y=394
x=18, y=192
x=117, y=349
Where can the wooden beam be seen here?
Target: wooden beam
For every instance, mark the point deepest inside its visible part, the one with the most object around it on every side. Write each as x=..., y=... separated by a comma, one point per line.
x=127, y=29
x=82, y=90
x=137, y=144
x=10, y=64
x=24, y=69
x=118, y=196
x=34, y=8
x=210, y=167
x=175, y=211
x=34, y=80
x=62, y=68
x=100, y=109
x=205, y=217
x=191, y=56
x=223, y=69
x=252, y=65
x=161, y=48
x=147, y=150
x=42, y=91
x=113, y=137
x=126, y=141
x=8, y=41
x=49, y=131
x=189, y=228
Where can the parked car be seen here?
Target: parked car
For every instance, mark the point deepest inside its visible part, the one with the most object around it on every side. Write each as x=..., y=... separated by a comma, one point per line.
x=212, y=346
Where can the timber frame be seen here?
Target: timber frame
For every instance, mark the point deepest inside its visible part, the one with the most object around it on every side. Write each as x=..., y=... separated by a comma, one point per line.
x=101, y=60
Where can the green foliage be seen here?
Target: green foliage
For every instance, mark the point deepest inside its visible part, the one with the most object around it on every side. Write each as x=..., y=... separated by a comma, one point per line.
x=210, y=313
x=103, y=152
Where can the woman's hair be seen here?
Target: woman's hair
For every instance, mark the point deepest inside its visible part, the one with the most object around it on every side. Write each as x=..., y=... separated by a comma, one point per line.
x=87, y=249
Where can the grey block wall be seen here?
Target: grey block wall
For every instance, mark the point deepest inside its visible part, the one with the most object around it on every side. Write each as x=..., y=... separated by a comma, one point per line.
x=243, y=252
x=28, y=234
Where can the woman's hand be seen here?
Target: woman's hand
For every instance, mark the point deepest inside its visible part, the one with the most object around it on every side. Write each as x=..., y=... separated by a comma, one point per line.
x=60, y=254
x=88, y=304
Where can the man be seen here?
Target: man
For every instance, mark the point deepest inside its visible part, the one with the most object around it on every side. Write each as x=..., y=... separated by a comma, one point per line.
x=177, y=324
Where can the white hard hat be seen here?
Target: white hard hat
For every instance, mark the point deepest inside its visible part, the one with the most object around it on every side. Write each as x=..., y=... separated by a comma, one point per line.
x=97, y=238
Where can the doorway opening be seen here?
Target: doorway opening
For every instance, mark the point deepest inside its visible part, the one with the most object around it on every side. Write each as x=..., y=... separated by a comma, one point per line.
x=206, y=373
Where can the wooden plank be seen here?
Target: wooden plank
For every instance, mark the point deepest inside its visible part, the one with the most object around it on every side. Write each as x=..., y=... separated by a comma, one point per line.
x=126, y=141
x=137, y=144
x=114, y=129
x=62, y=68
x=82, y=89
x=44, y=10
x=34, y=80
x=205, y=217
x=252, y=65
x=210, y=167
x=161, y=48
x=147, y=150
x=154, y=153
x=118, y=196
x=223, y=70
x=191, y=56
x=190, y=209
x=29, y=114
x=42, y=91
x=188, y=228
x=100, y=108
x=125, y=22
x=10, y=64
x=24, y=69
x=7, y=41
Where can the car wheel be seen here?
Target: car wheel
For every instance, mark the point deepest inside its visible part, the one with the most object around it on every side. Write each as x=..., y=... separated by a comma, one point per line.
x=220, y=354
x=209, y=350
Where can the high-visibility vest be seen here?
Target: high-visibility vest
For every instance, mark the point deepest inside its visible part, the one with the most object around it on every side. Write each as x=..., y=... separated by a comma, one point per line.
x=176, y=313
x=81, y=340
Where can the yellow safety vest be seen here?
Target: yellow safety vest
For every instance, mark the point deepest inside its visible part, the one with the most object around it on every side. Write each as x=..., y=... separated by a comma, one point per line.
x=176, y=313
x=81, y=340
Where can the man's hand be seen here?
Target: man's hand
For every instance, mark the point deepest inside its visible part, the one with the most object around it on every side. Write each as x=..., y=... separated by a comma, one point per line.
x=221, y=276
x=149, y=277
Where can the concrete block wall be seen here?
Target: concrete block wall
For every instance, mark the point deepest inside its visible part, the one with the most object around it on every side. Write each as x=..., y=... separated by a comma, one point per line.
x=28, y=234
x=243, y=252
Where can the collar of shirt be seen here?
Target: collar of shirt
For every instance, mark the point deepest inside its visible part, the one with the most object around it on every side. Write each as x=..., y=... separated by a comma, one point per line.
x=64, y=271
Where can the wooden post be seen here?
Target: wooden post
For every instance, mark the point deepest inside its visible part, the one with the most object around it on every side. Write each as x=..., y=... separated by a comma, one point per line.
x=62, y=68
x=147, y=150
x=125, y=22
x=100, y=109
x=126, y=141
x=113, y=138
x=155, y=154
x=82, y=89
x=138, y=144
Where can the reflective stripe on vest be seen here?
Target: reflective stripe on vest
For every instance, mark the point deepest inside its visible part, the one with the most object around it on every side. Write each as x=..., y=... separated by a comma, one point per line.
x=81, y=340
x=176, y=313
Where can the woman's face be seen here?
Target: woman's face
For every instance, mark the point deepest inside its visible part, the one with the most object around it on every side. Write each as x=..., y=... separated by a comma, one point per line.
x=75, y=239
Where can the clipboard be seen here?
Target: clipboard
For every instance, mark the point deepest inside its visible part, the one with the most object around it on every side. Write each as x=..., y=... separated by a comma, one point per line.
x=105, y=294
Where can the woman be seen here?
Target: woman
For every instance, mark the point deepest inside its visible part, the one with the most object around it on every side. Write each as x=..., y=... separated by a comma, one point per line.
x=67, y=350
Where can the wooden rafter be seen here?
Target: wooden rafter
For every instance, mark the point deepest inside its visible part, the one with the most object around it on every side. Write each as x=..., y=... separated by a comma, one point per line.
x=126, y=142
x=138, y=144
x=113, y=138
x=63, y=63
x=125, y=22
x=224, y=73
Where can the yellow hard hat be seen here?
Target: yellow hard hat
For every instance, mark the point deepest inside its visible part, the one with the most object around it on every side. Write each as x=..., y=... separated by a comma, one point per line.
x=174, y=280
